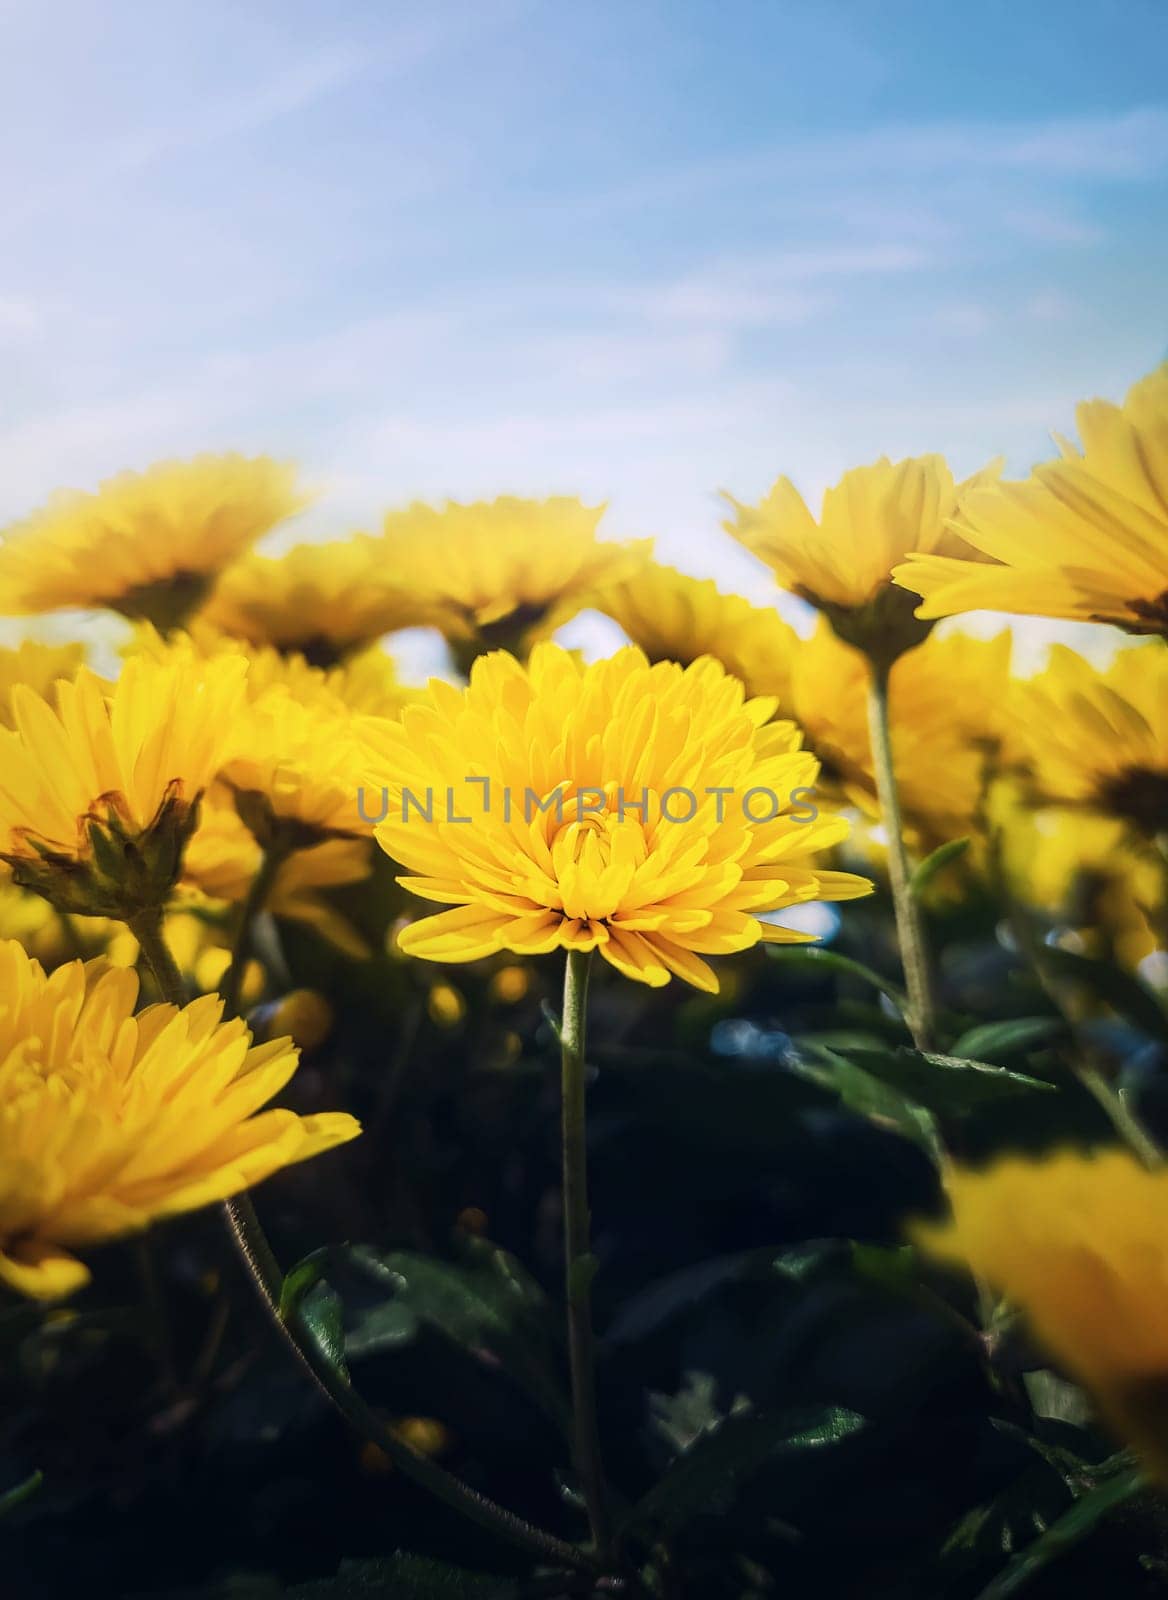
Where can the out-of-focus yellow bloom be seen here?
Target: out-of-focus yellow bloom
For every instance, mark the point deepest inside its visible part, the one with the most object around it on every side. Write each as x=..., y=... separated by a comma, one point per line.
x=223, y=858
x=38, y=666
x=947, y=709
x=109, y=1121
x=366, y=683
x=98, y=796
x=673, y=617
x=633, y=853
x=1099, y=738
x=1080, y=1244
x=1085, y=873
x=504, y=572
x=1085, y=537
x=446, y=1005
x=296, y=775
x=211, y=967
x=305, y=1016
x=292, y=764
x=510, y=985
x=147, y=544
x=869, y=522
x=323, y=600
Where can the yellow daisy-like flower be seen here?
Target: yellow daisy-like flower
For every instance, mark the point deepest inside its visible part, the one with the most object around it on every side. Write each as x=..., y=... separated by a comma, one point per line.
x=947, y=704
x=323, y=600
x=1080, y=1244
x=147, y=544
x=1100, y=738
x=505, y=572
x=1085, y=537
x=648, y=812
x=291, y=762
x=295, y=770
x=673, y=617
x=109, y=1121
x=98, y=794
x=38, y=666
x=869, y=522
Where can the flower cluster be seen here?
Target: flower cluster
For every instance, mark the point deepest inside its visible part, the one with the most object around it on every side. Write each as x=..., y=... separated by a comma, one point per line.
x=255, y=781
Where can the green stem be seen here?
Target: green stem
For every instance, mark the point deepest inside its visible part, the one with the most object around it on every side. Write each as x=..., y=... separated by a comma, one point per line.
x=147, y=929
x=910, y=929
x=266, y=1275
x=579, y=1265
x=254, y=903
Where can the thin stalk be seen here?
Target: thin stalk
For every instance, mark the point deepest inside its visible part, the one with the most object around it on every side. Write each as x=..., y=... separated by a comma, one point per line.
x=268, y=1279
x=256, y=901
x=578, y=1262
x=910, y=931
x=147, y=929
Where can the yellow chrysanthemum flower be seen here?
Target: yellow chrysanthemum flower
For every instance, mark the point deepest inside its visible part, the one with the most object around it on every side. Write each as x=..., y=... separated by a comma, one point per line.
x=110, y=1120
x=98, y=793
x=1099, y=738
x=291, y=765
x=1085, y=537
x=947, y=708
x=610, y=807
x=1080, y=1244
x=869, y=522
x=38, y=666
x=323, y=600
x=146, y=544
x=504, y=572
x=295, y=771
x=673, y=617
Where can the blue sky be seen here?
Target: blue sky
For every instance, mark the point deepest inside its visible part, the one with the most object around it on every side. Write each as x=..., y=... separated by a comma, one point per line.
x=640, y=251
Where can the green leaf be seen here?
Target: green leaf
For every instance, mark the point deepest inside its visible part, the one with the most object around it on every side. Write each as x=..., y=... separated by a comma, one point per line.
x=1125, y=995
x=486, y=1304
x=866, y=1093
x=314, y=1308
x=390, y=1325
x=812, y=956
x=305, y=1275
x=19, y=1493
x=405, y=1577
x=940, y=858
x=1069, y=1530
x=945, y=1085
x=990, y=1041
x=321, y=1315
x=706, y=1478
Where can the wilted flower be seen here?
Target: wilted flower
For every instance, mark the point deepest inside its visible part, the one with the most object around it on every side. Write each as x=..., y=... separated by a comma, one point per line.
x=1085, y=537
x=504, y=572
x=609, y=807
x=99, y=794
x=1079, y=1243
x=673, y=617
x=109, y=1121
x=323, y=600
x=869, y=522
x=146, y=544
